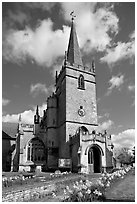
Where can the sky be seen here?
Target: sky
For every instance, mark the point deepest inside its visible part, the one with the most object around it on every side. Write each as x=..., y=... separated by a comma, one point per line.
x=34, y=39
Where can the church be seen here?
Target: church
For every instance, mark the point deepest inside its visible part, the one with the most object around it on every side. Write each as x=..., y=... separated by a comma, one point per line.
x=66, y=136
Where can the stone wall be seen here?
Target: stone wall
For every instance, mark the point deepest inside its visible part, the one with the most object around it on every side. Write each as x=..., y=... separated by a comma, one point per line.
x=29, y=194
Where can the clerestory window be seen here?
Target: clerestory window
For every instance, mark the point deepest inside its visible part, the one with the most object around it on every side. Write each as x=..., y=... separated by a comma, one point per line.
x=81, y=82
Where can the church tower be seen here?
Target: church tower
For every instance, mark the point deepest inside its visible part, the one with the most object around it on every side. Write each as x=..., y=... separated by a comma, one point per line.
x=76, y=96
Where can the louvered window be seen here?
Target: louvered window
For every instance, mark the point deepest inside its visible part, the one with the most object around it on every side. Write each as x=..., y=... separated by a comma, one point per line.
x=81, y=82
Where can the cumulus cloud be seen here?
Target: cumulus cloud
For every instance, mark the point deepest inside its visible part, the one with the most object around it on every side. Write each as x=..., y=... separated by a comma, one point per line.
x=124, y=139
x=38, y=88
x=5, y=102
x=131, y=87
x=120, y=51
x=45, y=6
x=106, y=115
x=17, y=17
x=35, y=89
x=42, y=44
x=132, y=35
x=106, y=125
x=115, y=82
x=94, y=26
x=27, y=116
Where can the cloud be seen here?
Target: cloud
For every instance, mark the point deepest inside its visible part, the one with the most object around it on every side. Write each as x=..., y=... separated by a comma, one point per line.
x=45, y=6
x=132, y=35
x=5, y=102
x=57, y=66
x=106, y=115
x=131, y=87
x=124, y=139
x=120, y=51
x=42, y=44
x=106, y=125
x=17, y=17
x=27, y=116
x=115, y=83
x=38, y=88
x=95, y=26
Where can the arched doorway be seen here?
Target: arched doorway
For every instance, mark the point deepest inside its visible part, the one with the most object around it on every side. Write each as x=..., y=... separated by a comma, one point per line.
x=94, y=159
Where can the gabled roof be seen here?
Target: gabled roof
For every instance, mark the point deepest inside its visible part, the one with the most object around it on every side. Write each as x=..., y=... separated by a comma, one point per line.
x=73, y=52
x=10, y=129
x=6, y=136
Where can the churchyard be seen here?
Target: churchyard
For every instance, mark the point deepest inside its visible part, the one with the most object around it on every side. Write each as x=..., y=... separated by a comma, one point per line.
x=119, y=185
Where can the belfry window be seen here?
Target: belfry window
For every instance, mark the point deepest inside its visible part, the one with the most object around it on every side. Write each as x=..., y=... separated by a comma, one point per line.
x=81, y=82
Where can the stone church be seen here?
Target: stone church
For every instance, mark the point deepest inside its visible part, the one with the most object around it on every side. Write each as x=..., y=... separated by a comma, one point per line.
x=66, y=137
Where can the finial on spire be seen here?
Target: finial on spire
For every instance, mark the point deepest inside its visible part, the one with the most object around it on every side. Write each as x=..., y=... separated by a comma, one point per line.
x=72, y=16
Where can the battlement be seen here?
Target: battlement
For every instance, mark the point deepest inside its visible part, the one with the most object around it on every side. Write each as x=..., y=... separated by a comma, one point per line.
x=75, y=66
x=27, y=127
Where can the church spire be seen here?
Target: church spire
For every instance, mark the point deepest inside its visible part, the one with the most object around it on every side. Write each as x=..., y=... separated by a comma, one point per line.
x=73, y=52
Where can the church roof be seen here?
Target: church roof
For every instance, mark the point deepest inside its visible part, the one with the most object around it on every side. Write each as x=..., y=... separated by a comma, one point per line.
x=7, y=137
x=73, y=52
x=9, y=129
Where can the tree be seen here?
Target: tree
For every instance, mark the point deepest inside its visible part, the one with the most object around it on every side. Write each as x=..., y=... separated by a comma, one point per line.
x=124, y=156
x=133, y=154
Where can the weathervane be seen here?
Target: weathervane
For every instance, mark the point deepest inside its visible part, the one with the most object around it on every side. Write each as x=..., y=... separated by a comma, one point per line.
x=72, y=15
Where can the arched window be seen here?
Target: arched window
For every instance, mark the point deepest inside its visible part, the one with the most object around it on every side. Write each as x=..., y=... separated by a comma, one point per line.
x=83, y=130
x=35, y=150
x=81, y=83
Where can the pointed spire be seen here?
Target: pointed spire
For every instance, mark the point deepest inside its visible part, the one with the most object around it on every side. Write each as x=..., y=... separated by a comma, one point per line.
x=73, y=53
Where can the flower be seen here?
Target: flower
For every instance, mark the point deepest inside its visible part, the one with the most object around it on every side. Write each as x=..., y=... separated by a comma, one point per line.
x=88, y=191
x=84, y=187
x=77, y=183
x=88, y=183
x=80, y=194
x=53, y=194
x=81, y=182
x=97, y=192
x=108, y=184
x=65, y=192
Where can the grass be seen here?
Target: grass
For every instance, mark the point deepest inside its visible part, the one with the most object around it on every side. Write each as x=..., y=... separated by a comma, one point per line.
x=122, y=190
